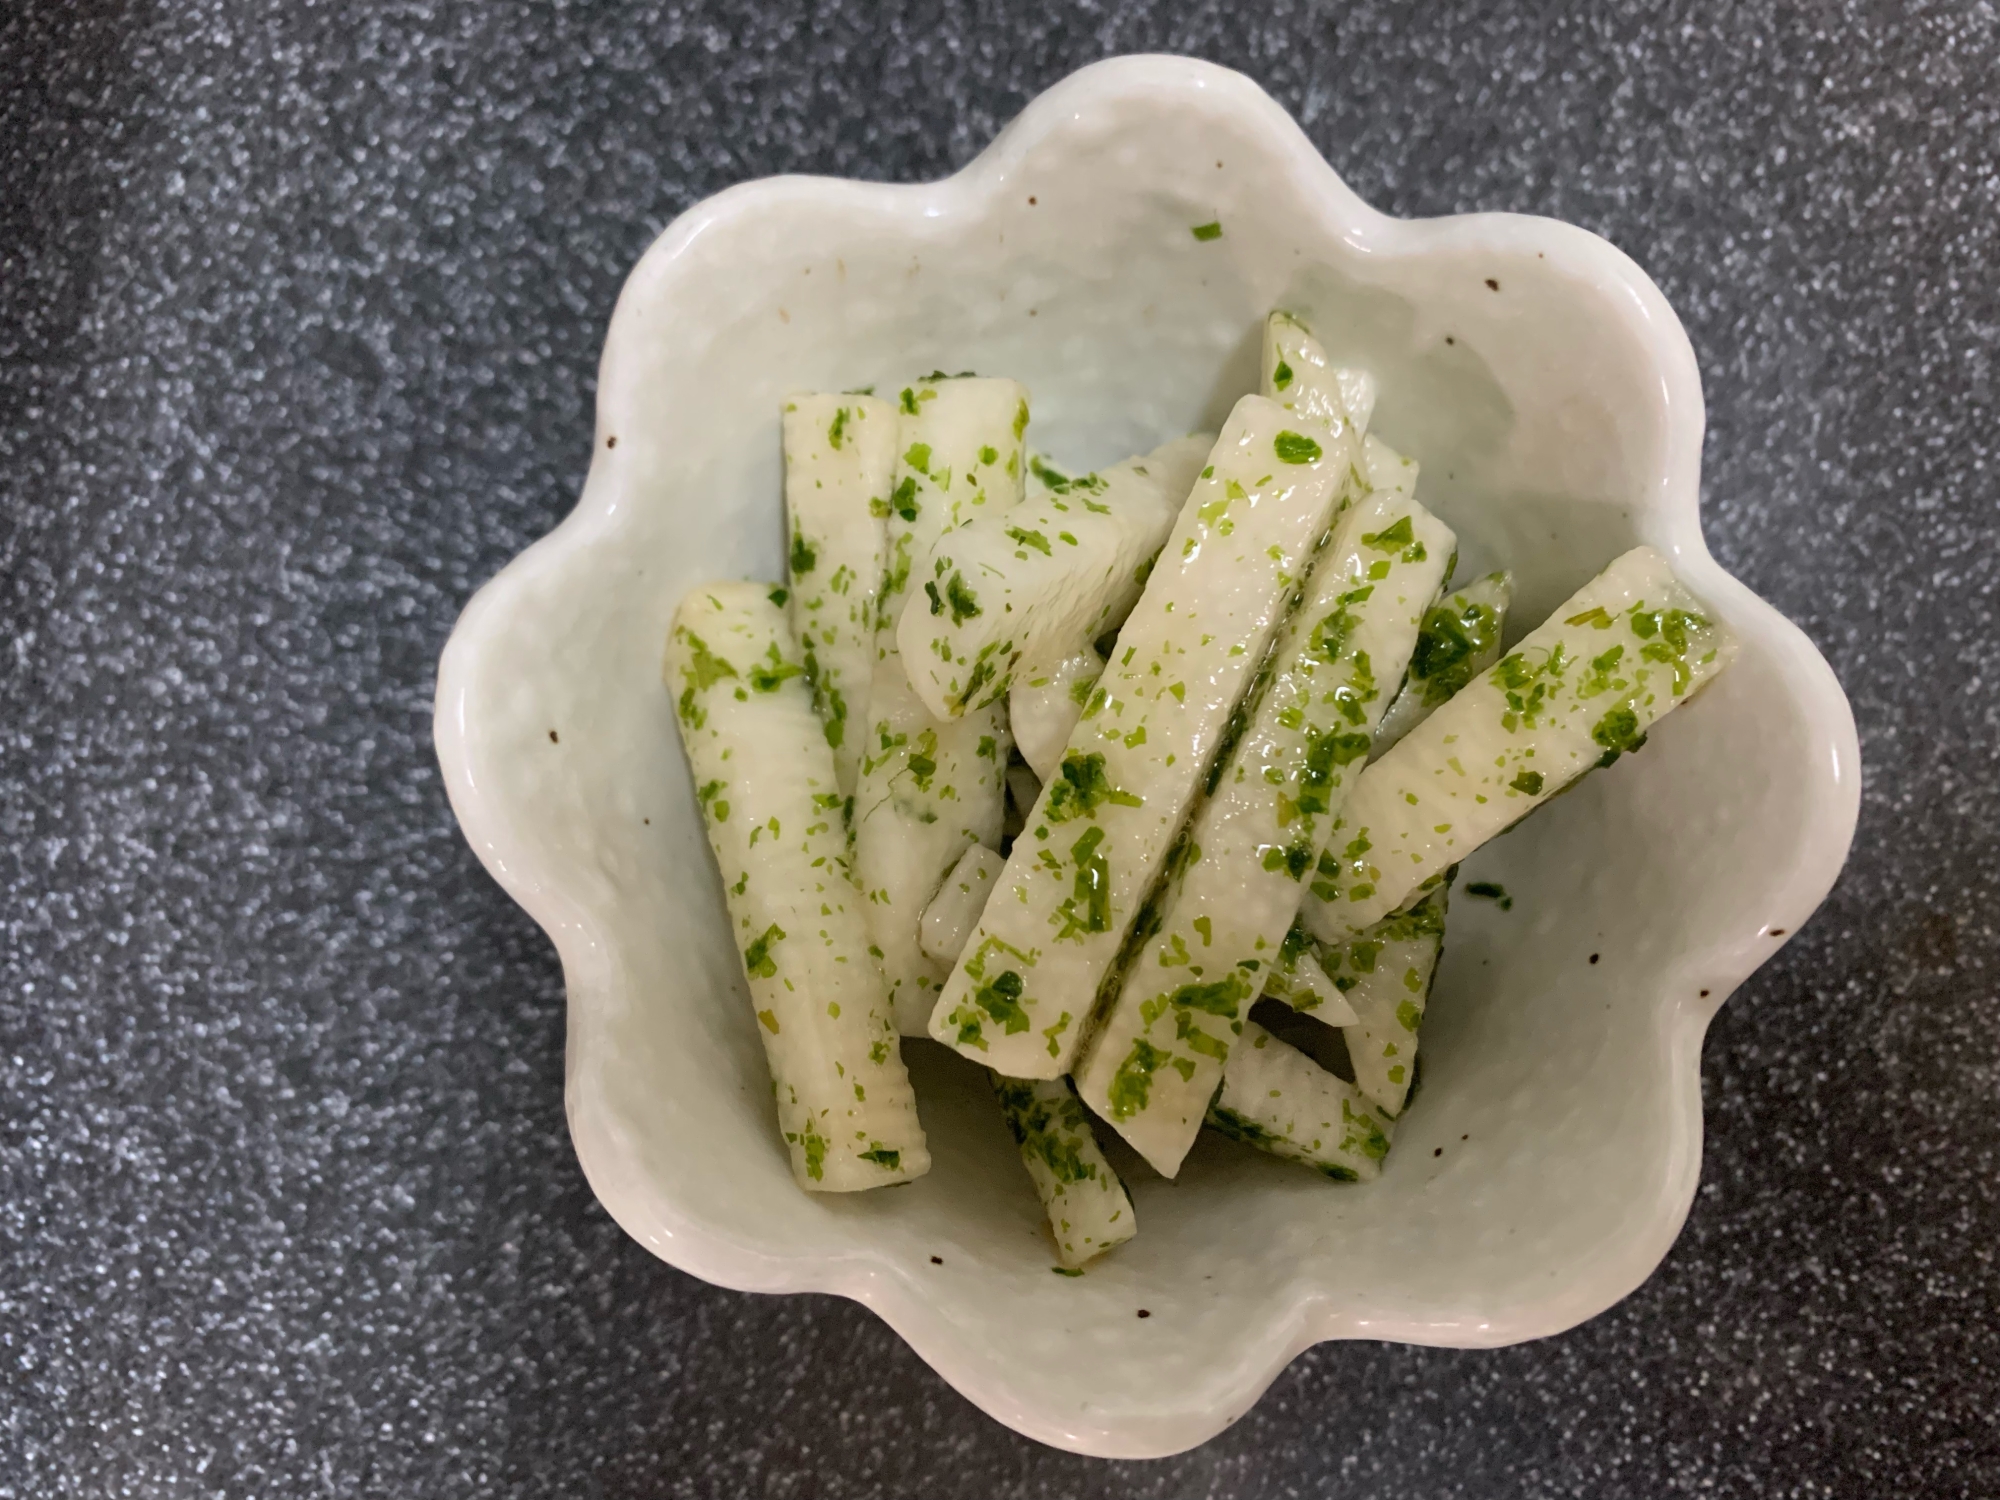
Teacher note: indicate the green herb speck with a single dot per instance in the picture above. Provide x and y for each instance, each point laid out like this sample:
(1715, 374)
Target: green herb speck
(1295, 448)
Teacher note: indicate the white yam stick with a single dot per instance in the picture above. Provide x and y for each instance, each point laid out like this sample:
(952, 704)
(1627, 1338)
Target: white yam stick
(1087, 1206)
(1100, 831)
(1025, 589)
(1043, 709)
(1279, 1100)
(929, 789)
(1628, 647)
(1154, 1062)
(840, 461)
(764, 776)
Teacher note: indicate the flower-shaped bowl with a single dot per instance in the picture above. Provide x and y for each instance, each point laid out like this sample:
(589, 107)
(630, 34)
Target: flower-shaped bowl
(1552, 399)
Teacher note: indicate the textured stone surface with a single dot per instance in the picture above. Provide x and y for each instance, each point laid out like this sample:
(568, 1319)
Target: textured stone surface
(299, 307)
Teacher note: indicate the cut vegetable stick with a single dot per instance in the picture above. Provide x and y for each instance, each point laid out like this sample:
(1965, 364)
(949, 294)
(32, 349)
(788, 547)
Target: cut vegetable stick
(1298, 979)
(1387, 973)
(1101, 829)
(1088, 1209)
(1384, 470)
(1460, 639)
(1279, 1100)
(1028, 588)
(764, 776)
(840, 461)
(1043, 709)
(954, 910)
(1628, 647)
(1298, 375)
(930, 789)
(1155, 1059)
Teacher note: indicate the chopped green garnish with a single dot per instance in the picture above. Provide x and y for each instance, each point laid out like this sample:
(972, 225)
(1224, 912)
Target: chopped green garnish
(1618, 732)
(1132, 1084)
(1088, 908)
(815, 1149)
(766, 677)
(1209, 231)
(1447, 646)
(757, 957)
(1000, 998)
(1082, 788)
(1390, 538)
(1491, 891)
(1295, 448)
(1030, 539)
(1222, 998)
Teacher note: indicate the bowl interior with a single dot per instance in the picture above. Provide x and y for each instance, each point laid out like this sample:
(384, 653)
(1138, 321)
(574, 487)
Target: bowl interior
(1553, 1150)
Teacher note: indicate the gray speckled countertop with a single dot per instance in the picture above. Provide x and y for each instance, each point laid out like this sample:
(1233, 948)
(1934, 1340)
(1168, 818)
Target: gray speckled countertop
(299, 314)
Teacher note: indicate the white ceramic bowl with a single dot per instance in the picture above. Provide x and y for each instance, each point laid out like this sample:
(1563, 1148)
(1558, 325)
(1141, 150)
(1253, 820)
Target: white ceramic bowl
(1552, 398)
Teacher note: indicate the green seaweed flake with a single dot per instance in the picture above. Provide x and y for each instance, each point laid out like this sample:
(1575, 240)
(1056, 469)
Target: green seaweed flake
(1088, 908)
(1000, 998)
(758, 960)
(1448, 645)
(1619, 733)
(1082, 788)
(1029, 538)
(1295, 448)
(766, 677)
(1132, 1084)
(957, 597)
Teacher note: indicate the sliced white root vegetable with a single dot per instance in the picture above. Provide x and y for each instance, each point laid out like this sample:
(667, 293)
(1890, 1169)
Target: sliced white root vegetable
(1153, 1062)
(1298, 979)
(1299, 377)
(1386, 973)
(1027, 588)
(1086, 1203)
(1460, 639)
(1279, 1100)
(1100, 831)
(1384, 469)
(840, 461)
(954, 910)
(930, 789)
(1043, 709)
(764, 776)
(1628, 647)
